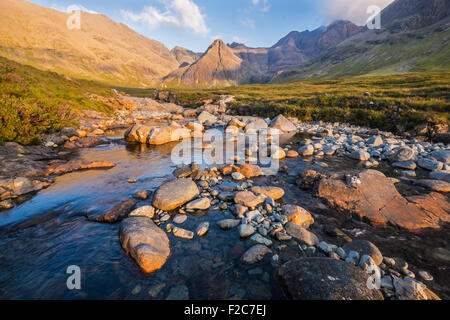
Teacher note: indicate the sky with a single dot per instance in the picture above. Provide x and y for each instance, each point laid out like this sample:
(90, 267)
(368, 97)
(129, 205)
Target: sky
(195, 24)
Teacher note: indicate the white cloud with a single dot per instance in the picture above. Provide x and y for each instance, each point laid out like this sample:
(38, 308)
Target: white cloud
(248, 22)
(355, 10)
(73, 7)
(263, 4)
(182, 14)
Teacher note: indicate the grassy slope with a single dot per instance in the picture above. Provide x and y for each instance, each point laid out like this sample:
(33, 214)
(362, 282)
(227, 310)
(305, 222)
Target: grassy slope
(406, 100)
(33, 102)
(382, 53)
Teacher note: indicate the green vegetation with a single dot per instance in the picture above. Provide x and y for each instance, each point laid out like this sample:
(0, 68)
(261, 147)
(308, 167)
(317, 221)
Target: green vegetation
(33, 102)
(383, 102)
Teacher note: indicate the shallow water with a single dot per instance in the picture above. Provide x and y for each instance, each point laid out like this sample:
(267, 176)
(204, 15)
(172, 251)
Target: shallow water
(40, 238)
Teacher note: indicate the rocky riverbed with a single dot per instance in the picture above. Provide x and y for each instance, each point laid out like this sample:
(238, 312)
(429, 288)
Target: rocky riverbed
(354, 213)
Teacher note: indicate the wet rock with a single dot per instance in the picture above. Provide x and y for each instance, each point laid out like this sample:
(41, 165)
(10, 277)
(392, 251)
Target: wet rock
(306, 151)
(137, 133)
(199, 204)
(435, 185)
(272, 192)
(210, 286)
(250, 170)
(430, 164)
(441, 155)
(174, 194)
(403, 154)
(325, 279)
(156, 289)
(255, 254)
(202, 229)
(360, 155)
(439, 254)
(180, 292)
(278, 153)
(246, 230)
(283, 124)
(115, 214)
(441, 175)
(259, 239)
(12, 188)
(186, 171)
(6, 204)
(377, 200)
(301, 234)
(182, 233)
(425, 276)
(147, 244)
(180, 218)
(410, 289)
(364, 247)
(408, 165)
(145, 211)
(142, 195)
(228, 224)
(84, 142)
(292, 154)
(248, 199)
(298, 215)
(77, 165)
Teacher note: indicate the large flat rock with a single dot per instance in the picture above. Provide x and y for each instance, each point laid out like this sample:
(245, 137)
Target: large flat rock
(325, 279)
(377, 201)
(174, 194)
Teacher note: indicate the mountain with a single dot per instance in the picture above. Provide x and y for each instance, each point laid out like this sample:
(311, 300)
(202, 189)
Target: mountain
(102, 50)
(415, 36)
(217, 66)
(184, 56)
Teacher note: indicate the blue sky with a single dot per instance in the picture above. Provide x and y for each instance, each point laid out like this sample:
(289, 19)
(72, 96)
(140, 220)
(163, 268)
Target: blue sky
(194, 24)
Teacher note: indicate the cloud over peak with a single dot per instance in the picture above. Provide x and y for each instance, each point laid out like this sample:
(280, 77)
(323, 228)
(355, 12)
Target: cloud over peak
(355, 10)
(182, 14)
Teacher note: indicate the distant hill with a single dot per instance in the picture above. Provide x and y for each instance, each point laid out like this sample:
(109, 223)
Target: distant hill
(184, 56)
(414, 37)
(102, 50)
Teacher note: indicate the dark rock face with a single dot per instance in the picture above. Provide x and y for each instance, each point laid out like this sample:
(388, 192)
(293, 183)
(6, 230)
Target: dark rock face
(324, 279)
(115, 214)
(412, 14)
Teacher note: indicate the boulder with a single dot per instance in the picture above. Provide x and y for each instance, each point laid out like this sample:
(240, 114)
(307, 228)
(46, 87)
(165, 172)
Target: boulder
(256, 125)
(228, 224)
(272, 192)
(115, 214)
(202, 229)
(402, 154)
(78, 165)
(206, 117)
(298, 215)
(145, 211)
(170, 133)
(292, 154)
(306, 151)
(410, 289)
(174, 194)
(325, 279)
(236, 123)
(283, 124)
(375, 141)
(441, 155)
(137, 133)
(430, 164)
(248, 199)
(255, 254)
(147, 244)
(250, 170)
(376, 200)
(407, 165)
(199, 204)
(360, 155)
(441, 175)
(12, 188)
(364, 247)
(301, 234)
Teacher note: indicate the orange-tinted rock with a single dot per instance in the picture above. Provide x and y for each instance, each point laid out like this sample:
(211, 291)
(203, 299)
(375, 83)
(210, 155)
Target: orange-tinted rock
(76, 165)
(248, 199)
(298, 215)
(250, 170)
(115, 214)
(292, 154)
(377, 201)
(272, 192)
